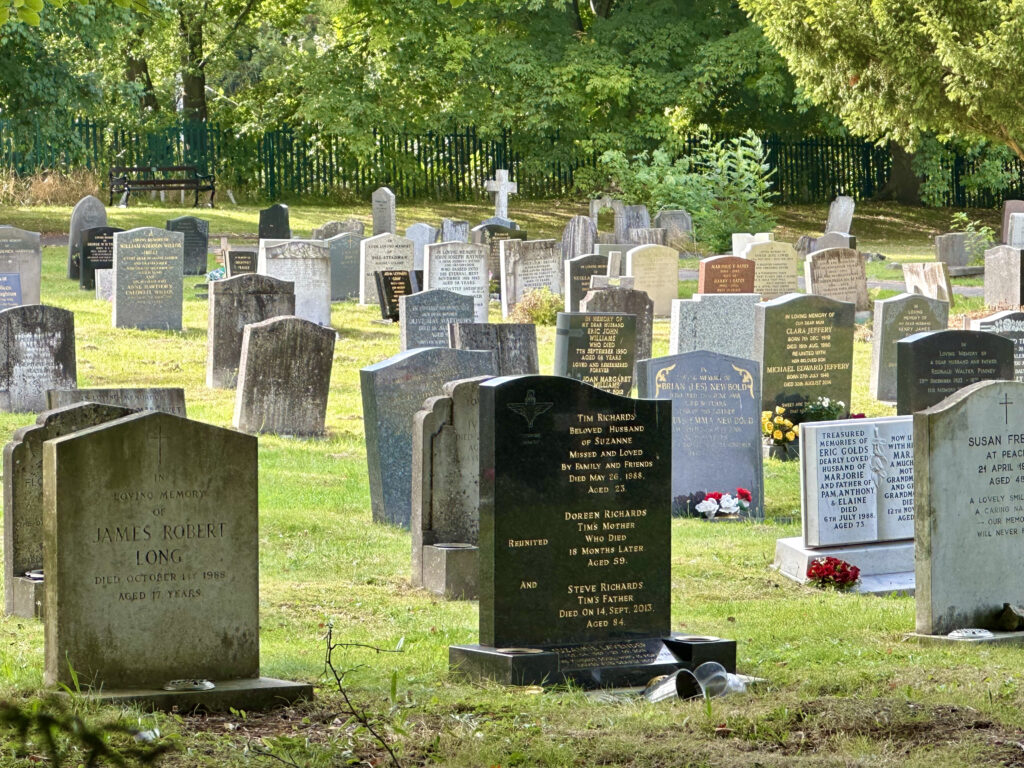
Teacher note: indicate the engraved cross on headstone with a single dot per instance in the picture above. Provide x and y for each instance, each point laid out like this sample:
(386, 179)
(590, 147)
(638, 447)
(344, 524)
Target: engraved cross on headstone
(159, 437)
(1006, 403)
(501, 188)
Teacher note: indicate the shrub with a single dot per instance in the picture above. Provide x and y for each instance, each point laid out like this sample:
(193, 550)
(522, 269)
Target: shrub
(539, 306)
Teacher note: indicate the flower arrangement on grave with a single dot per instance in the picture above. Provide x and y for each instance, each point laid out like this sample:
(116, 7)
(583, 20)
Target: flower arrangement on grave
(823, 409)
(777, 426)
(718, 504)
(832, 573)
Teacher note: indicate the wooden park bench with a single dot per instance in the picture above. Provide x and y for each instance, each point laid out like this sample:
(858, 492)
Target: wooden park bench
(128, 179)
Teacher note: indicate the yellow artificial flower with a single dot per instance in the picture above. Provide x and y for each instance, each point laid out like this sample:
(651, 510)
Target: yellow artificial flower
(787, 423)
(765, 415)
(791, 436)
(777, 434)
(778, 419)
(779, 409)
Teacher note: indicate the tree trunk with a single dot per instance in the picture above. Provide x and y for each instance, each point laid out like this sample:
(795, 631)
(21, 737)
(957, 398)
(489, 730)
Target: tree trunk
(903, 185)
(137, 71)
(193, 68)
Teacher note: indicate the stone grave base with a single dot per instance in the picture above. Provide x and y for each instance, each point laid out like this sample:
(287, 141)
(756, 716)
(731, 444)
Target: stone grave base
(966, 271)
(29, 597)
(998, 638)
(253, 695)
(450, 570)
(885, 568)
(609, 664)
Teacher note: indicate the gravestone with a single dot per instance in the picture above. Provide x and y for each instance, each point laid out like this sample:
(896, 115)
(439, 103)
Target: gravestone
(716, 425)
(1004, 277)
(576, 280)
(151, 557)
(968, 508)
(500, 188)
(928, 278)
(233, 304)
(462, 268)
(932, 365)
(840, 215)
(838, 273)
(805, 346)
(104, 284)
(382, 252)
(499, 221)
(274, 224)
(240, 261)
(37, 352)
(832, 240)
(743, 240)
(393, 390)
(21, 255)
(678, 226)
(421, 235)
(655, 269)
(894, 319)
(425, 317)
(166, 399)
(307, 265)
(97, 254)
(382, 202)
(148, 279)
(598, 348)
(284, 376)
(578, 237)
(343, 251)
(598, 204)
(492, 235)
(24, 593)
(1009, 324)
(527, 265)
(726, 274)
(951, 248)
(335, 228)
(446, 491)
(514, 344)
(1015, 233)
(774, 268)
(574, 539)
(632, 217)
(10, 291)
(87, 213)
(197, 242)
(646, 236)
(454, 231)
(392, 284)
(1009, 207)
(719, 322)
(616, 253)
(626, 300)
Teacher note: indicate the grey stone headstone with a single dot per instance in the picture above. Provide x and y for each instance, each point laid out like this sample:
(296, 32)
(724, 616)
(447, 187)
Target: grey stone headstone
(805, 346)
(840, 215)
(306, 264)
(454, 231)
(624, 299)
(655, 269)
(716, 424)
(197, 242)
(951, 248)
(284, 376)
(23, 500)
(1015, 232)
(597, 348)
(1009, 324)
(576, 281)
(384, 216)
(528, 265)
(166, 399)
(599, 204)
(491, 235)
(894, 319)
(335, 228)
(344, 255)
(393, 391)
(578, 237)
(21, 254)
(838, 273)
(833, 240)
(629, 217)
(37, 352)
(678, 226)
(608, 249)
(1004, 277)
(97, 254)
(774, 268)
(421, 235)
(274, 223)
(104, 284)
(928, 278)
(148, 278)
(1009, 207)
(88, 212)
(514, 344)
(498, 221)
(233, 304)
(424, 317)
(719, 322)
(379, 253)
(646, 236)
(462, 268)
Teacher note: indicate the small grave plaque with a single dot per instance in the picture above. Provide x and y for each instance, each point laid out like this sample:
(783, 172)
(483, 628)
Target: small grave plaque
(148, 279)
(21, 254)
(392, 283)
(274, 224)
(10, 290)
(240, 261)
(425, 317)
(167, 399)
(514, 344)
(97, 253)
(88, 212)
(197, 242)
(726, 274)
(598, 348)
(894, 319)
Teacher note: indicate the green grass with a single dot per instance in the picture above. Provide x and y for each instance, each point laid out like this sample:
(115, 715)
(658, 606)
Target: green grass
(843, 686)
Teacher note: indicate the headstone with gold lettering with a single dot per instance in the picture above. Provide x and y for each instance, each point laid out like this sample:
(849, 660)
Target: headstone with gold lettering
(598, 348)
(726, 274)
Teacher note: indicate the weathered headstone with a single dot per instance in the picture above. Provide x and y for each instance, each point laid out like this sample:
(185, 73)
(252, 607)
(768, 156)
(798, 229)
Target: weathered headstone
(500, 188)
(622, 298)
(716, 425)
(384, 215)
(514, 344)
(805, 346)
(894, 319)
(104, 284)
(932, 365)
(718, 322)
(492, 235)
(462, 268)
(725, 274)
(678, 226)
(1009, 207)
(454, 231)
(1015, 233)
(24, 593)
(498, 221)
(599, 204)
(393, 391)
(840, 215)
(284, 377)
(426, 316)
(306, 264)
(633, 217)
(88, 212)
(576, 280)
(166, 399)
(197, 242)
(838, 273)
(37, 352)
(655, 269)
(1004, 277)
(382, 252)
(235, 303)
(646, 236)
(609, 250)
(833, 240)
(151, 558)
(391, 285)
(148, 279)
(240, 261)
(578, 237)
(274, 223)
(335, 228)
(774, 268)
(598, 348)
(1009, 324)
(928, 278)
(527, 265)
(21, 255)
(951, 248)
(97, 253)
(343, 251)
(421, 235)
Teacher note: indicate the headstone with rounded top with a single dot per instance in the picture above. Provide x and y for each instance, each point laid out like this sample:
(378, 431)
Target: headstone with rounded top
(88, 212)
(421, 235)
(896, 318)
(655, 269)
(462, 268)
(382, 252)
(197, 242)
(838, 273)
(274, 223)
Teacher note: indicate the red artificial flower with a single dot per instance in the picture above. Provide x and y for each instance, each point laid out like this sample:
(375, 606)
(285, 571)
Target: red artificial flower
(743, 494)
(716, 495)
(857, 416)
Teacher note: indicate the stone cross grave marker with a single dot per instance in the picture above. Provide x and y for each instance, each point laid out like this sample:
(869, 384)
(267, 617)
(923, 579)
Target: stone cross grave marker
(500, 187)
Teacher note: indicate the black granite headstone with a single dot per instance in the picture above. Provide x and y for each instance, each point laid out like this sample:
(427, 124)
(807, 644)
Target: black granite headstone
(578, 271)
(240, 261)
(197, 241)
(97, 253)
(274, 223)
(598, 348)
(491, 235)
(932, 365)
(391, 284)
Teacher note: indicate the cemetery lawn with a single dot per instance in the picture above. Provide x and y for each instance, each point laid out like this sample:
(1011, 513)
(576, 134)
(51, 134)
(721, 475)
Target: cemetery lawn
(842, 684)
